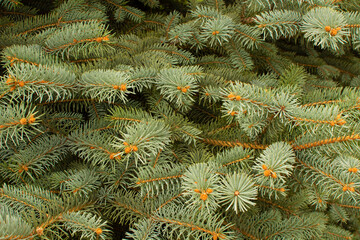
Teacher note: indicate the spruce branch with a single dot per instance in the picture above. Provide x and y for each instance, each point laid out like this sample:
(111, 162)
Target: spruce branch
(10, 4)
(220, 120)
(42, 83)
(279, 23)
(143, 140)
(191, 223)
(325, 27)
(74, 38)
(238, 192)
(18, 123)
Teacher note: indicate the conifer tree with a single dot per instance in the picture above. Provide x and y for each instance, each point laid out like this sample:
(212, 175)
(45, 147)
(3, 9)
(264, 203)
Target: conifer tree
(219, 120)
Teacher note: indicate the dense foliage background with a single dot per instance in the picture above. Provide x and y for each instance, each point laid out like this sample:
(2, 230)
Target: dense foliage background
(199, 119)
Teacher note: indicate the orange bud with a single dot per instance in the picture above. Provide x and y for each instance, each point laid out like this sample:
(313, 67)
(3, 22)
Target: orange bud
(214, 33)
(232, 113)
(238, 98)
(23, 121)
(92, 147)
(273, 175)
(207, 94)
(125, 143)
(282, 189)
(231, 96)
(112, 155)
(197, 190)
(351, 189)
(209, 190)
(333, 32)
(178, 88)
(115, 87)
(338, 28)
(106, 38)
(203, 196)
(25, 168)
(184, 90)
(341, 122)
(264, 167)
(354, 170)
(236, 193)
(135, 148)
(123, 87)
(98, 231)
(345, 188)
(320, 201)
(127, 149)
(328, 28)
(267, 173)
(39, 231)
(12, 89)
(32, 119)
(187, 87)
(9, 80)
(21, 84)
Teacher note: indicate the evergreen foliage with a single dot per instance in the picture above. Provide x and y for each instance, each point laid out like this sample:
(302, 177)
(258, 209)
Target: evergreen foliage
(218, 120)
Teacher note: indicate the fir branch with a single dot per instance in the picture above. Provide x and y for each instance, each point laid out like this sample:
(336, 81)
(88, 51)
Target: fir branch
(216, 142)
(326, 141)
